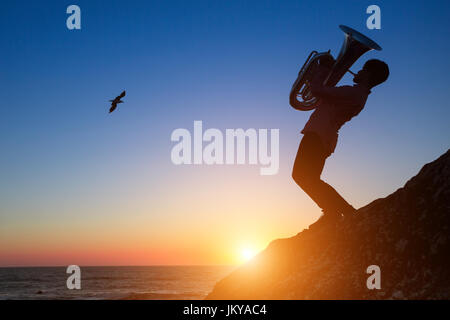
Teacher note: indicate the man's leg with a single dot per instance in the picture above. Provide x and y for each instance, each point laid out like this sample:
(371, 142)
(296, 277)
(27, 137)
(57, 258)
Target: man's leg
(308, 167)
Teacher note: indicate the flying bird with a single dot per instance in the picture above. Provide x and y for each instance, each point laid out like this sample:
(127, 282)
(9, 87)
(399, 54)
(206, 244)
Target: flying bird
(116, 101)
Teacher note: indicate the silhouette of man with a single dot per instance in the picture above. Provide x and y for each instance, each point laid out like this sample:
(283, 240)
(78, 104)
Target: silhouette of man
(337, 106)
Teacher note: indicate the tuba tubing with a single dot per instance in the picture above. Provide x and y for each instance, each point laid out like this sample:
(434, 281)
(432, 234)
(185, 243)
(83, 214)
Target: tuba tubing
(354, 46)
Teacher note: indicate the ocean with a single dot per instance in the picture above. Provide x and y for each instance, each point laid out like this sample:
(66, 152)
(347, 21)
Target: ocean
(153, 282)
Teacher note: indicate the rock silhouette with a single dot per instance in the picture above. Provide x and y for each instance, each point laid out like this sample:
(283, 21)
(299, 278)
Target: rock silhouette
(406, 234)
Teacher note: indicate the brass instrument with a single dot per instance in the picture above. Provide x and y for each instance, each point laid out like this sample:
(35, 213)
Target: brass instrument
(354, 46)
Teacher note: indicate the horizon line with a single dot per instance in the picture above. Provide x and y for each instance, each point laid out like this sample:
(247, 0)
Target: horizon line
(124, 266)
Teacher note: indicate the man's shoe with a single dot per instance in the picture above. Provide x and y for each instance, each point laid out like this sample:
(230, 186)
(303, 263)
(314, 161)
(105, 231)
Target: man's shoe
(326, 219)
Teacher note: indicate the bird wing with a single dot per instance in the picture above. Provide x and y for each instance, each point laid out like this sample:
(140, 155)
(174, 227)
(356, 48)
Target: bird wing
(122, 94)
(113, 107)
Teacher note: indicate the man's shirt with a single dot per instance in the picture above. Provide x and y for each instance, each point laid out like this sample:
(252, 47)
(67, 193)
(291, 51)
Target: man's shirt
(337, 106)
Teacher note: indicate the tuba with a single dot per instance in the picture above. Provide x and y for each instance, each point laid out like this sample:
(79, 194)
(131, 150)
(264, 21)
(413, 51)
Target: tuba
(355, 45)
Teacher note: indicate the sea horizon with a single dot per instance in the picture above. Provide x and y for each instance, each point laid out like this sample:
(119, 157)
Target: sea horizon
(157, 282)
(119, 265)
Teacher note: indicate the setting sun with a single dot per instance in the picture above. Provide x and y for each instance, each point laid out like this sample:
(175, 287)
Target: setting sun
(247, 254)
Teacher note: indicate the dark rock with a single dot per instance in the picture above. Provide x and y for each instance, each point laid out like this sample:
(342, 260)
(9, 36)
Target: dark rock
(406, 234)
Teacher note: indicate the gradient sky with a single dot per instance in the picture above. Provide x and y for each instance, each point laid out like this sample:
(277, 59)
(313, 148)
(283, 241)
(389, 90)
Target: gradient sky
(80, 186)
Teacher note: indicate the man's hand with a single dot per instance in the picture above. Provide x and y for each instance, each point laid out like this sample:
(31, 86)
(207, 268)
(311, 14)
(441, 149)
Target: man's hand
(322, 70)
(327, 61)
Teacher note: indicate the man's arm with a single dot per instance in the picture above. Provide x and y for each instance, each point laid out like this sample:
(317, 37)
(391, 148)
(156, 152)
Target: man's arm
(340, 94)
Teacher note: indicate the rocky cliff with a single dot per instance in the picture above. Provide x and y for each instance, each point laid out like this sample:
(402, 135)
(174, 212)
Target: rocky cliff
(406, 234)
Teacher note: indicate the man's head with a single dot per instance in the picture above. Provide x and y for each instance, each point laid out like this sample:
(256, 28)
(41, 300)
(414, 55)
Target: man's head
(373, 73)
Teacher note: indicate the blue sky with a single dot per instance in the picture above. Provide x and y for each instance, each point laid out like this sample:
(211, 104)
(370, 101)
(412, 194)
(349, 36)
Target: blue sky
(228, 63)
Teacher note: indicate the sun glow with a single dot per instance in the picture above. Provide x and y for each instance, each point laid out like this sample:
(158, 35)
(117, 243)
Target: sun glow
(247, 254)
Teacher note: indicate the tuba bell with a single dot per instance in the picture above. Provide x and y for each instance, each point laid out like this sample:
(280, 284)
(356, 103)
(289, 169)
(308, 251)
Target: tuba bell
(354, 46)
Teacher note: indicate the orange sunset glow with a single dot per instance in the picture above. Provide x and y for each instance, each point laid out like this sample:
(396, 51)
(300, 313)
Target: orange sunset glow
(83, 186)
